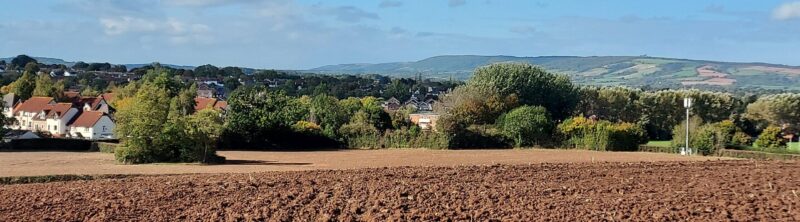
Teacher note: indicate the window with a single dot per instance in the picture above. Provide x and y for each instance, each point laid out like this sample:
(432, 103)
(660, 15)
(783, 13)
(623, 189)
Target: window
(104, 129)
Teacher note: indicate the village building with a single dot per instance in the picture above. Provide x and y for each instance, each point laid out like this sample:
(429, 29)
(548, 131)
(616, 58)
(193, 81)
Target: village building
(27, 112)
(10, 100)
(201, 103)
(425, 121)
(391, 105)
(58, 117)
(92, 125)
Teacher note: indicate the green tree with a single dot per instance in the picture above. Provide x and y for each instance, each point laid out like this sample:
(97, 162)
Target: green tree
(21, 61)
(526, 125)
(326, 112)
(206, 71)
(231, 83)
(32, 67)
(532, 85)
(44, 86)
(140, 126)
(24, 86)
(614, 104)
(254, 112)
(779, 110)
(770, 138)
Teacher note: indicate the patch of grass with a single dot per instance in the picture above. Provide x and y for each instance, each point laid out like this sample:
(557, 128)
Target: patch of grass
(663, 143)
(793, 146)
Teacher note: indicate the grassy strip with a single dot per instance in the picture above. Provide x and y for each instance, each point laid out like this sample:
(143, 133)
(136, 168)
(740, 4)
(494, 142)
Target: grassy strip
(59, 178)
(664, 143)
(758, 155)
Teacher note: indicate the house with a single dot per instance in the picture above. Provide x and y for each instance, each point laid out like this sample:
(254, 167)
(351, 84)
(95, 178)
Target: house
(9, 102)
(93, 104)
(425, 121)
(28, 110)
(391, 105)
(92, 125)
(59, 115)
(419, 104)
(205, 103)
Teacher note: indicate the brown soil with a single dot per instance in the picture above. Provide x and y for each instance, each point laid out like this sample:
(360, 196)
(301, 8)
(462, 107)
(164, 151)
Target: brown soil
(50, 163)
(656, 191)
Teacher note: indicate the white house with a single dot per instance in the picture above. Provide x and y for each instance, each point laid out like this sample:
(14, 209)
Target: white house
(92, 125)
(28, 111)
(9, 101)
(58, 117)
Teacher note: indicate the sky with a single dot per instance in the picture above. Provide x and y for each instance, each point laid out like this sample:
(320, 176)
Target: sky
(303, 34)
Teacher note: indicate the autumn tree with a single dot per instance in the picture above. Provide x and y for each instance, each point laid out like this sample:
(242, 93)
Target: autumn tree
(24, 86)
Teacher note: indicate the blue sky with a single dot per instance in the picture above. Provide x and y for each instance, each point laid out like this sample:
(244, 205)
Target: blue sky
(300, 34)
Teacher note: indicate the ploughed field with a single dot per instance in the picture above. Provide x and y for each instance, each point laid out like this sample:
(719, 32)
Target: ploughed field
(739, 190)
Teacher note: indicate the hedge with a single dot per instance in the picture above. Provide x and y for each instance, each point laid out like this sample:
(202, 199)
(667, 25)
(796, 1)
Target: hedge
(51, 144)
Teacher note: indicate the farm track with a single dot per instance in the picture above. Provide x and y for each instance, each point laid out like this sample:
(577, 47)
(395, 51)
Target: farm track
(642, 191)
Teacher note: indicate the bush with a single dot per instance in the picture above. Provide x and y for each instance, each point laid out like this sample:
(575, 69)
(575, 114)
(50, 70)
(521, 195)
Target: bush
(307, 127)
(583, 133)
(741, 139)
(707, 140)
(105, 147)
(128, 155)
(770, 138)
(526, 125)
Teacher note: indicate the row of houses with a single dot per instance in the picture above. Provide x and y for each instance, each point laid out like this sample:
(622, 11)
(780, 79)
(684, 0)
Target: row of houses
(81, 117)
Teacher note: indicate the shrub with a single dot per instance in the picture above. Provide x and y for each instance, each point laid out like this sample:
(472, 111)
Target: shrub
(105, 147)
(307, 128)
(129, 155)
(770, 138)
(590, 134)
(707, 140)
(741, 139)
(526, 125)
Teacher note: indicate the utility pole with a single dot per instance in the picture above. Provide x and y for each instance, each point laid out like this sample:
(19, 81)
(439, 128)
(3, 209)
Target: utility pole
(687, 103)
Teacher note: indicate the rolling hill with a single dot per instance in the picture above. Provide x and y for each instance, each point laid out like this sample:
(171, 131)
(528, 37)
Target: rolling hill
(634, 71)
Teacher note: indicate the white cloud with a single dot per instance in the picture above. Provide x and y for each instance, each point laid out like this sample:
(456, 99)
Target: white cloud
(124, 24)
(787, 11)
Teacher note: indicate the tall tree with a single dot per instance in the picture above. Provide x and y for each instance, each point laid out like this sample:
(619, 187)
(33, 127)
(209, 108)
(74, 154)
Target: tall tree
(44, 86)
(532, 85)
(21, 61)
(24, 86)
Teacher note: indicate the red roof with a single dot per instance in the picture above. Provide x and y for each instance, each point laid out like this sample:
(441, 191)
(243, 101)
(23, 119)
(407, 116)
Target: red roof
(58, 110)
(93, 102)
(34, 104)
(109, 97)
(221, 105)
(203, 103)
(72, 95)
(87, 119)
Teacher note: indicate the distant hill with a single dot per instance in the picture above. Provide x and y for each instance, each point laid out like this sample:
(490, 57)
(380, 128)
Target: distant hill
(51, 61)
(599, 70)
